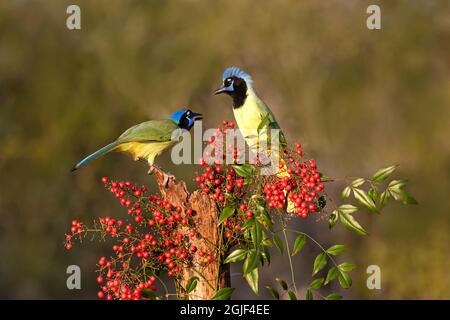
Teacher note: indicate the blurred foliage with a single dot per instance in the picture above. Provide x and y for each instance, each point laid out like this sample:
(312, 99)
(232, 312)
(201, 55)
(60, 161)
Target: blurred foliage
(357, 100)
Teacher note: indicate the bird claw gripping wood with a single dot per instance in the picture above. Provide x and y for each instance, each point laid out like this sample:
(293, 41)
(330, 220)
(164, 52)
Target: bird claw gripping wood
(151, 170)
(166, 176)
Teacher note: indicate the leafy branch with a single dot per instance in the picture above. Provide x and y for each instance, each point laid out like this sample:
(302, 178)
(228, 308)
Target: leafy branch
(371, 198)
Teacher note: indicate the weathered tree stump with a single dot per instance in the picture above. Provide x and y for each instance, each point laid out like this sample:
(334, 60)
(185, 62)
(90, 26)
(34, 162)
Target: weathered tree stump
(212, 276)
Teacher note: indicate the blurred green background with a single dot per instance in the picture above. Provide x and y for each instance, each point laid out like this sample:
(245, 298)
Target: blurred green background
(357, 99)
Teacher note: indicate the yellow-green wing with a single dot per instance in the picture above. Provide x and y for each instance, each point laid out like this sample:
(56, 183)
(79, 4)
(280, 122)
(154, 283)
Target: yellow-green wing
(153, 130)
(269, 121)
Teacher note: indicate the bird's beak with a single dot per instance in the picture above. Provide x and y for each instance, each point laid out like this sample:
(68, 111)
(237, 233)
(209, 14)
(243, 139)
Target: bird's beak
(222, 89)
(197, 116)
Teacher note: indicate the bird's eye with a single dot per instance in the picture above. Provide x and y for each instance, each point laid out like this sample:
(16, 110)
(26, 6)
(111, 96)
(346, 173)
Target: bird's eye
(228, 82)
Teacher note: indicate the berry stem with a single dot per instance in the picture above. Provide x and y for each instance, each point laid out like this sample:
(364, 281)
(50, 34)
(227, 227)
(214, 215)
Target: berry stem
(203, 277)
(219, 255)
(288, 253)
(318, 244)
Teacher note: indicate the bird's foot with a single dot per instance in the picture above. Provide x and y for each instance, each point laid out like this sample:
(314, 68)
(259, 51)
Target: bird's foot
(167, 177)
(152, 169)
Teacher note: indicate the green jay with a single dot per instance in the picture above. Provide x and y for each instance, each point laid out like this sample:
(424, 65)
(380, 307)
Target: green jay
(251, 114)
(249, 110)
(149, 139)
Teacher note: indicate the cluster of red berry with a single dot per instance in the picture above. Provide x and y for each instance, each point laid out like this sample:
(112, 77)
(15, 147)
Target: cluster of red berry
(219, 179)
(218, 182)
(299, 182)
(222, 146)
(76, 229)
(223, 184)
(119, 285)
(157, 239)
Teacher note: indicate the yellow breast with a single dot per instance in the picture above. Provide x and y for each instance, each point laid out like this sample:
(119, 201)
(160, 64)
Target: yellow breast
(248, 117)
(144, 150)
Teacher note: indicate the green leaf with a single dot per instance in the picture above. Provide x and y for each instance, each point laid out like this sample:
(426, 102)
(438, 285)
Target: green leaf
(256, 235)
(267, 243)
(383, 174)
(266, 255)
(344, 280)
(282, 283)
(223, 294)
(347, 209)
(148, 293)
(319, 263)
(373, 194)
(385, 195)
(265, 220)
(331, 275)
(397, 184)
(226, 213)
(402, 196)
(333, 296)
(249, 223)
(333, 219)
(235, 256)
(316, 284)
(298, 244)
(292, 295)
(252, 280)
(191, 284)
(273, 292)
(264, 122)
(336, 249)
(278, 243)
(244, 170)
(358, 182)
(251, 262)
(346, 192)
(346, 266)
(364, 198)
(309, 295)
(350, 223)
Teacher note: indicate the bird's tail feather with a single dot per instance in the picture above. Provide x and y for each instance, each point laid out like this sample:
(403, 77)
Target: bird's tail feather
(95, 155)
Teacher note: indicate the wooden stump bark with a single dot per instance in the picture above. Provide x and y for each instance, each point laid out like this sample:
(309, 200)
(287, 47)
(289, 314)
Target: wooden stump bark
(213, 276)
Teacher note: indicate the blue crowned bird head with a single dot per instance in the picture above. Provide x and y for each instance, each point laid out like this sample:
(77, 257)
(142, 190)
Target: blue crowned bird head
(185, 118)
(237, 84)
